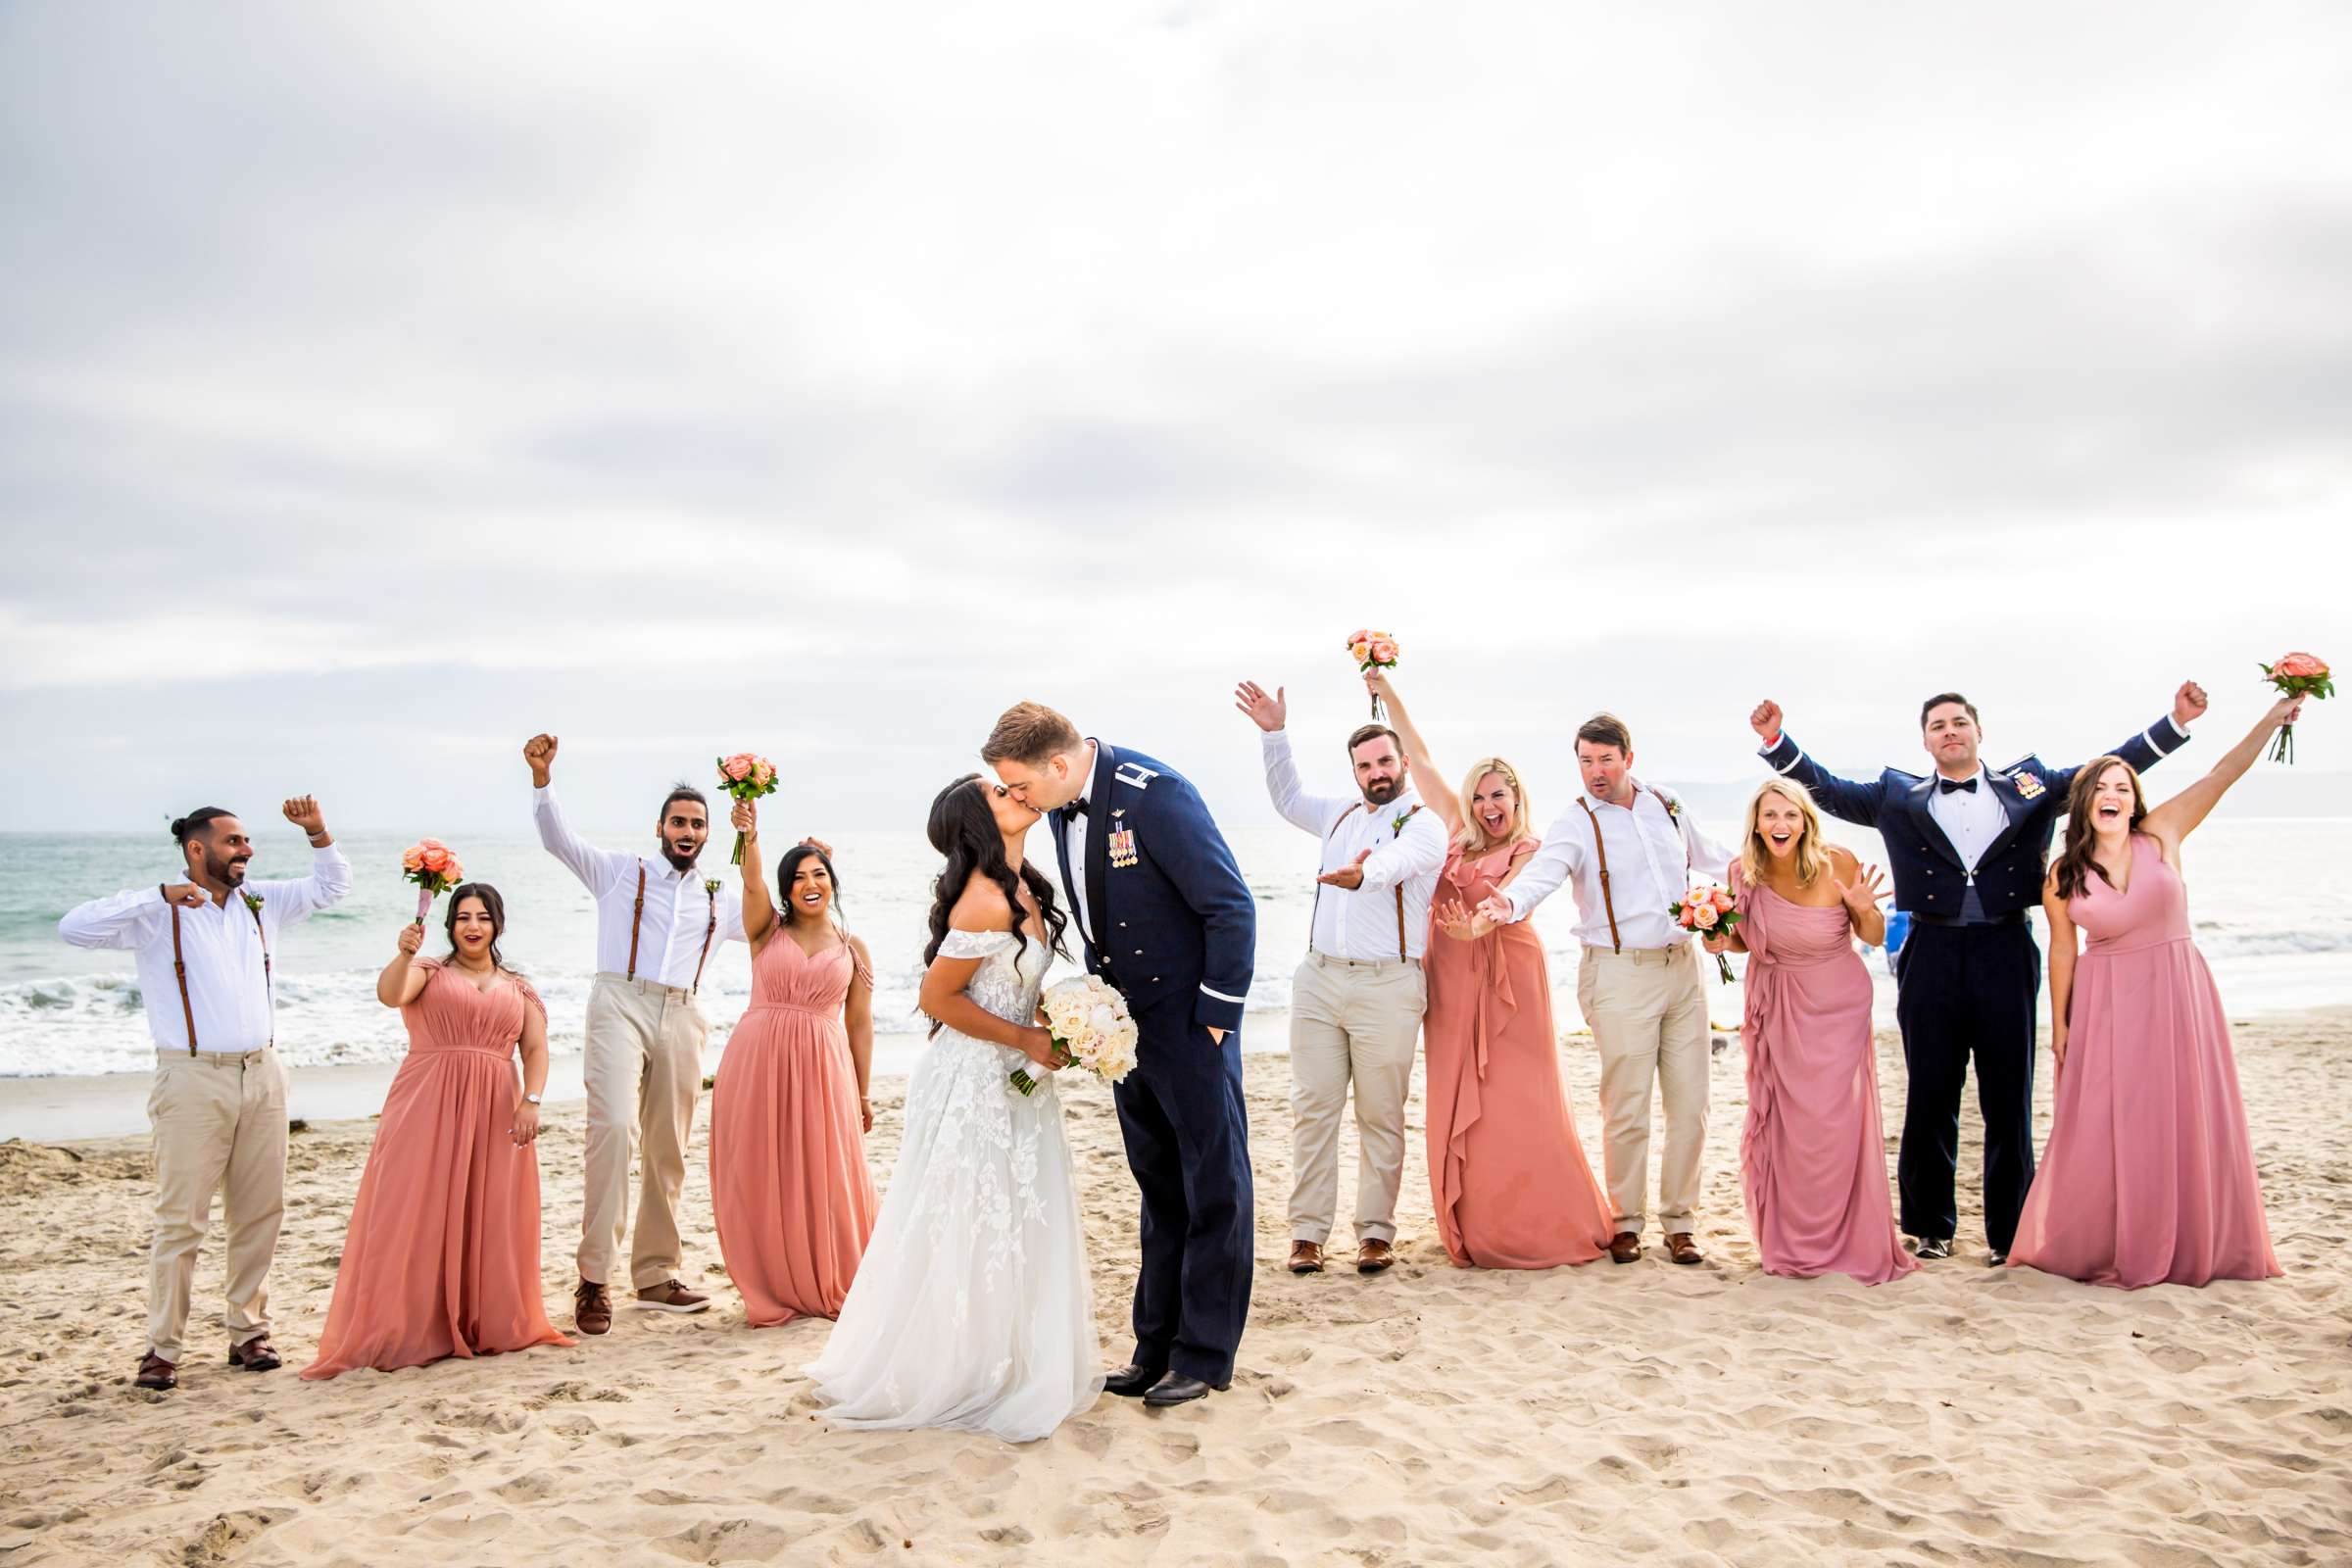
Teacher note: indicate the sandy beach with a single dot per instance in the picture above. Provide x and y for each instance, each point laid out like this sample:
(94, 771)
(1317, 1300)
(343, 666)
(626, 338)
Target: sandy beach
(1674, 1415)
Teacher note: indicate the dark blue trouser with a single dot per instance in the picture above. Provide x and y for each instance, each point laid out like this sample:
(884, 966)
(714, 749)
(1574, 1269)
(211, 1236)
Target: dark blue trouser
(1188, 1142)
(1967, 991)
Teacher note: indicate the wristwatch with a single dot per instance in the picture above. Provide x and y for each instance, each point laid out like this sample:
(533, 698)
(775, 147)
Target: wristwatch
(530, 1100)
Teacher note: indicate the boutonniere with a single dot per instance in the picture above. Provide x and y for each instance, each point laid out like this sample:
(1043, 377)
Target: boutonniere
(1397, 825)
(2027, 784)
(711, 886)
(253, 902)
(1674, 807)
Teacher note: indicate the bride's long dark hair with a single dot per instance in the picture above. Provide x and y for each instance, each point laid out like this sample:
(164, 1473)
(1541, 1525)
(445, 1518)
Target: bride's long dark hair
(964, 830)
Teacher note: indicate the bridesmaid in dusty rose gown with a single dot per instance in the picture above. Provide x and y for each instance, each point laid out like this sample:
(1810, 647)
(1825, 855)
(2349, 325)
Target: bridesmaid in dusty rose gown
(442, 1257)
(1813, 1154)
(2148, 1177)
(789, 1183)
(1507, 1175)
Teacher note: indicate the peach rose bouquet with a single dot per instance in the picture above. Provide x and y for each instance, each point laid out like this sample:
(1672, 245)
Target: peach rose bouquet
(1371, 650)
(2297, 675)
(1708, 912)
(434, 867)
(745, 776)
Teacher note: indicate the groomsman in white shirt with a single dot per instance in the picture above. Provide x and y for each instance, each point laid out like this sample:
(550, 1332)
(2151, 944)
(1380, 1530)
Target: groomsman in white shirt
(204, 949)
(658, 921)
(1631, 849)
(1357, 1001)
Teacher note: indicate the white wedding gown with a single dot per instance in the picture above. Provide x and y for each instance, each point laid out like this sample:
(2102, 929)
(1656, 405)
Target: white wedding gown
(972, 1308)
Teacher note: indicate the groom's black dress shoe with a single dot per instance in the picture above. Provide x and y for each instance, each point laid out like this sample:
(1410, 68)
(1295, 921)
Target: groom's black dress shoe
(1996, 1258)
(1177, 1388)
(1931, 1247)
(1131, 1381)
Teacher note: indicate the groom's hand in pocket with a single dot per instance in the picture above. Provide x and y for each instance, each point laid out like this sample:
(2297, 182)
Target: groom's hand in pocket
(1216, 1036)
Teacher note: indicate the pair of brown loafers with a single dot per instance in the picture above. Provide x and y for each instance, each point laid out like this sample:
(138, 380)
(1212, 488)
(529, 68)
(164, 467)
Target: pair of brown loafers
(256, 1355)
(1374, 1255)
(1625, 1246)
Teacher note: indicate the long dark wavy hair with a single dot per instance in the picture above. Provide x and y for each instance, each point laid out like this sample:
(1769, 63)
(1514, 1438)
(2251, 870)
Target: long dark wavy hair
(964, 830)
(2076, 861)
(490, 902)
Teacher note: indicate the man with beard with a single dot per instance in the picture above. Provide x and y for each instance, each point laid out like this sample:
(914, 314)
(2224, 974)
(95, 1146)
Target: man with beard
(218, 1106)
(656, 922)
(1357, 1001)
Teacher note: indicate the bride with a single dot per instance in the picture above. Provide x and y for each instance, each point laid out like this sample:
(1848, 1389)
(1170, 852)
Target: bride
(972, 1308)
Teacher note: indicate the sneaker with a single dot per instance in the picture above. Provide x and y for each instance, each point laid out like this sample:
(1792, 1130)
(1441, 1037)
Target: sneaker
(671, 1296)
(591, 1307)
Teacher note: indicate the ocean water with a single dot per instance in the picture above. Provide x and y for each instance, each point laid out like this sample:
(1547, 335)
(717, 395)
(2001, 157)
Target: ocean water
(2271, 899)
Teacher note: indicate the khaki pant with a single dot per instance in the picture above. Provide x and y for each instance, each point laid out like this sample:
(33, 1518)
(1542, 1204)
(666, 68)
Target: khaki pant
(1351, 1024)
(219, 1126)
(643, 1066)
(1648, 1008)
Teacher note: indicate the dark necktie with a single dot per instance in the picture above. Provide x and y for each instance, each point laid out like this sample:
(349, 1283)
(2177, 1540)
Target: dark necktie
(1946, 785)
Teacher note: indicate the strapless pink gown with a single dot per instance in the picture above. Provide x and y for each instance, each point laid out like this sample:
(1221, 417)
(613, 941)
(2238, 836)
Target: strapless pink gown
(442, 1257)
(1812, 1154)
(2148, 1177)
(789, 1184)
(1507, 1175)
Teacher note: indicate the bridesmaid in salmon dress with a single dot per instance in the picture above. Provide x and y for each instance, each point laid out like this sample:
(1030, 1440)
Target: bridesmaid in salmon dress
(1507, 1175)
(1813, 1153)
(442, 1257)
(2148, 1177)
(789, 1183)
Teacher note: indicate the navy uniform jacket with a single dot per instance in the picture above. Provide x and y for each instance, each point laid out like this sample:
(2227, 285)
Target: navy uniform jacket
(1929, 877)
(1172, 913)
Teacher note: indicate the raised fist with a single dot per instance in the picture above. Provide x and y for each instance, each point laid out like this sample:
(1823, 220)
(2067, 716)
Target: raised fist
(540, 753)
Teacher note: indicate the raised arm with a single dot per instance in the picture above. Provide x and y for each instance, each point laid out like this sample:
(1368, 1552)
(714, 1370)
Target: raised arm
(759, 908)
(596, 868)
(1313, 813)
(2152, 745)
(330, 874)
(1844, 797)
(2062, 964)
(858, 1017)
(1426, 778)
(2178, 817)
(403, 980)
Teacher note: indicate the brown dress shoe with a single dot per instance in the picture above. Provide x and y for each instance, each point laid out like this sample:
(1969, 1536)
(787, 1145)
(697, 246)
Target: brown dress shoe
(1306, 1257)
(1683, 1249)
(1625, 1246)
(254, 1355)
(671, 1296)
(592, 1308)
(157, 1373)
(1373, 1256)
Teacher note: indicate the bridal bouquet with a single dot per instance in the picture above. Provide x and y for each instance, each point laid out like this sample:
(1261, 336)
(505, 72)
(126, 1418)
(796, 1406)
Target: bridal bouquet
(2297, 675)
(1708, 912)
(746, 777)
(433, 866)
(1373, 649)
(1090, 1029)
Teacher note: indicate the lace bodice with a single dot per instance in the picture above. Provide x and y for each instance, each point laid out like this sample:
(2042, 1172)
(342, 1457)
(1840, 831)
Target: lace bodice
(1006, 985)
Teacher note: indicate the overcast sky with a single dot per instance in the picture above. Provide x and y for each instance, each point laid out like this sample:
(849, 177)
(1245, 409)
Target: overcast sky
(384, 383)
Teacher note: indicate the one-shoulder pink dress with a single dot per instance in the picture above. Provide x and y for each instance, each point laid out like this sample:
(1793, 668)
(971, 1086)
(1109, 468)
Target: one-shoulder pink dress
(789, 1183)
(2148, 1177)
(442, 1257)
(1813, 1154)
(1507, 1174)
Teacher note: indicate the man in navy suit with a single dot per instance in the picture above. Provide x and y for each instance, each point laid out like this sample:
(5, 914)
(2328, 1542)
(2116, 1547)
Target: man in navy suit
(1968, 847)
(1168, 921)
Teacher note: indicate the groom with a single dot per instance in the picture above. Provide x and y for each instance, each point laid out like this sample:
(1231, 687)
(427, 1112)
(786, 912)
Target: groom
(1168, 921)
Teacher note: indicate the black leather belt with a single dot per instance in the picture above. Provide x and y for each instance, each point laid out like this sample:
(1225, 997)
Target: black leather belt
(2013, 917)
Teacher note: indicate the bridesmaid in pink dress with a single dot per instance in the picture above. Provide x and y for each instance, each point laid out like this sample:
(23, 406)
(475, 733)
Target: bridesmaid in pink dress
(1507, 1175)
(442, 1257)
(1812, 1154)
(789, 1183)
(2148, 1177)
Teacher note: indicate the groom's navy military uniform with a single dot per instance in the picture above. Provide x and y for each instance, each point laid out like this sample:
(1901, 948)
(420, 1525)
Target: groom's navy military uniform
(1169, 921)
(1968, 973)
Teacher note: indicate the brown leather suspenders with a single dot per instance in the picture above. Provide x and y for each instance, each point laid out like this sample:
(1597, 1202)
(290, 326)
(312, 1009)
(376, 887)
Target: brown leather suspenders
(709, 931)
(636, 919)
(179, 971)
(1600, 850)
(1395, 833)
(637, 922)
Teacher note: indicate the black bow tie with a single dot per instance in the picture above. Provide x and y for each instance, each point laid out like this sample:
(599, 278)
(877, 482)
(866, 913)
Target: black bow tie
(1945, 786)
(1077, 806)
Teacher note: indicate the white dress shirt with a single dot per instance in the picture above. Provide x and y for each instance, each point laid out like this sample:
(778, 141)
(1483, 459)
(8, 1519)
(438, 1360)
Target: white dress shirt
(677, 906)
(1360, 923)
(1655, 857)
(228, 988)
(1971, 818)
(1073, 834)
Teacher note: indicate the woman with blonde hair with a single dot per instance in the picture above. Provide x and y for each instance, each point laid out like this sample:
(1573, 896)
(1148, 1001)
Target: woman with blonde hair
(1507, 1175)
(1812, 1155)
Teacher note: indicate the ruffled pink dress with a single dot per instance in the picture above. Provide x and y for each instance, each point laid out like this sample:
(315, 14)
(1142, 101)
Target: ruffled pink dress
(2148, 1177)
(789, 1183)
(442, 1257)
(1812, 1154)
